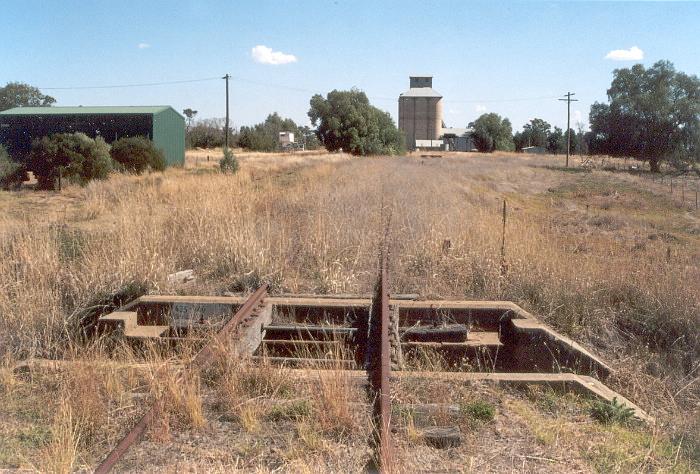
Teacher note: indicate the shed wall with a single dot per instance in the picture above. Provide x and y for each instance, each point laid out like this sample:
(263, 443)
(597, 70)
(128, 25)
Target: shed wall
(169, 136)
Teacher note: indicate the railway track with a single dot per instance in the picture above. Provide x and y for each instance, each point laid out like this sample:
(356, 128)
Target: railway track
(379, 370)
(375, 334)
(203, 359)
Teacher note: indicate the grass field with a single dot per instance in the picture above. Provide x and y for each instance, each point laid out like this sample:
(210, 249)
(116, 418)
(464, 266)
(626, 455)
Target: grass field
(605, 255)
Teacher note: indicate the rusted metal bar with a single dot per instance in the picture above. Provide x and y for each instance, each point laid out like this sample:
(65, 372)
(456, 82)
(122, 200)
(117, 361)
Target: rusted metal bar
(387, 457)
(379, 368)
(203, 358)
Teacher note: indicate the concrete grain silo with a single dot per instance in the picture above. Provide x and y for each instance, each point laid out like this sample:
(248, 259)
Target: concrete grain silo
(420, 114)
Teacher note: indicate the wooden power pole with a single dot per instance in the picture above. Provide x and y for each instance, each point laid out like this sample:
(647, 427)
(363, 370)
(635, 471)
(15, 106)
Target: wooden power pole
(226, 77)
(568, 100)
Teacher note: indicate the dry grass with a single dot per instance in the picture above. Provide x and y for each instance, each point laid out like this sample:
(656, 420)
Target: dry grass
(607, 257)
(61, 454)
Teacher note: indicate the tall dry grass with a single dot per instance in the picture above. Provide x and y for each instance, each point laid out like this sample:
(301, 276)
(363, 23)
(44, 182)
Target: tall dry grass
(584, 260)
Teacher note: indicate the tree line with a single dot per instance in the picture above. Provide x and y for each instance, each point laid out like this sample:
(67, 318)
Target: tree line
(264, 136)
(652, 114)
(343, 120)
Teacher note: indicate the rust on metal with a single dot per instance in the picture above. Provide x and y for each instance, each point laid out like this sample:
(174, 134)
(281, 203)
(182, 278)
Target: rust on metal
(203, 358)
(379, 368)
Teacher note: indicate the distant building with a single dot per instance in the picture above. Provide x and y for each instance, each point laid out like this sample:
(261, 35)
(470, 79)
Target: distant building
(286, 139)
(458, 139)
(161, 124)
(420, 119)
(420, 112)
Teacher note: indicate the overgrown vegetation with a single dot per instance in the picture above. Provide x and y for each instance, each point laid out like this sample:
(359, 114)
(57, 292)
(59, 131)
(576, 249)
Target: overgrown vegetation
(229, 163)
(479, 410)
(71, 156)
(11, 173)
(76, 158)
(491, 133)
(653, 115)
(345, 120)
(206, 134)
(265, 136)
(573, 252)
(539, 133)
(611, 412)
(137, 154)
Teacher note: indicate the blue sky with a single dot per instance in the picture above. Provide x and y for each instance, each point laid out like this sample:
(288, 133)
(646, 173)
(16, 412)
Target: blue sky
(490, 56)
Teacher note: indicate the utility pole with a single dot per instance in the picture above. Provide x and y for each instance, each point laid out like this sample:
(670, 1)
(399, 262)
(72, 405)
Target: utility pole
(226, 77)
(568, 100)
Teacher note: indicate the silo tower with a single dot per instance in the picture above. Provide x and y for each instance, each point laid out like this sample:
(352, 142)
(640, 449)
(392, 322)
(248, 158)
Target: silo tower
(420, 111)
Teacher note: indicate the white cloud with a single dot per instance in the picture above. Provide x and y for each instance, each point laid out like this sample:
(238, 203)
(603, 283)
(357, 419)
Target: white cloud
(143, 45)
(632, 54)
(264, 55)
(480, 108)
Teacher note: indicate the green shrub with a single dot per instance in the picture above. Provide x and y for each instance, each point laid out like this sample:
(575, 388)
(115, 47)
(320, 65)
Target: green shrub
(229, 164)
(611, 412)
(479, 410)
(11, 173)
(74, 156)
(137, 154)
(205, 134)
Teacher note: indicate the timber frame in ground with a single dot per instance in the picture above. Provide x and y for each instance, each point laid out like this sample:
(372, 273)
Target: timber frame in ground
(385, 337)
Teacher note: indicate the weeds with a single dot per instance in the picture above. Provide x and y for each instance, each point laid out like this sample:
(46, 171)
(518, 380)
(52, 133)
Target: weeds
(61, 454)
(611, 412)
(479, 410)
(294, 410)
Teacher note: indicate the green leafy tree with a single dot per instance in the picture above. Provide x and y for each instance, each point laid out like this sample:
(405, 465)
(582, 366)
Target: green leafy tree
(536, 132)
(346, 120)
(208, 133)
(491, 132)
(653, 114)
(18, 94)
(309, 138)
(265, 136)
(190, 115)
(12, 174)
(137, 154)
(72, 156)
(556, 141)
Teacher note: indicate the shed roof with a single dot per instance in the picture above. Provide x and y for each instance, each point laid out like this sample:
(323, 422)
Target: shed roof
(153, 109)
(421, 92)
(460, 132)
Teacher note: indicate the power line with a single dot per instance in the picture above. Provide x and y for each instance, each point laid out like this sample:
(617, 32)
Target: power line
(118, 86)
(277, 86)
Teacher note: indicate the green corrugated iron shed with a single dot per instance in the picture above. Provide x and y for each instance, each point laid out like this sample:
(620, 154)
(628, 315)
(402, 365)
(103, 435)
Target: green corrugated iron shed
(162, 124)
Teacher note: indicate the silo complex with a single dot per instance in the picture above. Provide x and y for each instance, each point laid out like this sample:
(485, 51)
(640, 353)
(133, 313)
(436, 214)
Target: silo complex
(420, 113)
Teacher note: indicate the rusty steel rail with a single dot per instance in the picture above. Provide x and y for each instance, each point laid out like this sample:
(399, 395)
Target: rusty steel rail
(379, 370)
(203, 358)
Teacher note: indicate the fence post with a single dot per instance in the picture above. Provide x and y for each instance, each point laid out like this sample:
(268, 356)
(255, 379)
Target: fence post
(683, 194)
(503, 242)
